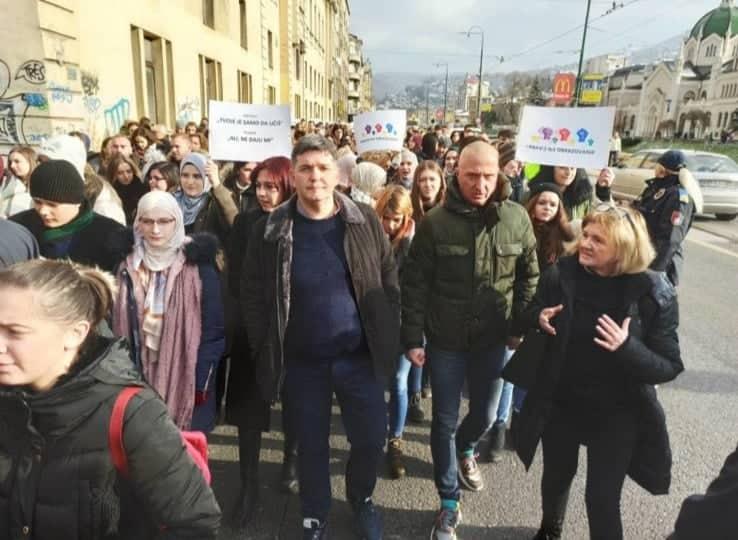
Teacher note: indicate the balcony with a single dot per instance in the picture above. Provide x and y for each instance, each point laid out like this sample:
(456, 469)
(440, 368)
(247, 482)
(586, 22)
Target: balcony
(354, 76)
(354, 56)
(353, 94)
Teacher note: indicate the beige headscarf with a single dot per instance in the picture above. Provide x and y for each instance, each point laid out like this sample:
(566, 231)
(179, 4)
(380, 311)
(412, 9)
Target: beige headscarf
(157, 258)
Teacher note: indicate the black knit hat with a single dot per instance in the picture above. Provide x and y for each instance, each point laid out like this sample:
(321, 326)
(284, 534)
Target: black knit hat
(57, 181)
(539, 187)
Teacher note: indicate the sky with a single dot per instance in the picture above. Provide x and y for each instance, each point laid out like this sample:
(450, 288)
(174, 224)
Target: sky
(412, 35)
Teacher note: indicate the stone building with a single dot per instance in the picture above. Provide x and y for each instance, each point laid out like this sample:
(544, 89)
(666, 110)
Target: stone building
(360, 79)
(694, 95)
(90, 65)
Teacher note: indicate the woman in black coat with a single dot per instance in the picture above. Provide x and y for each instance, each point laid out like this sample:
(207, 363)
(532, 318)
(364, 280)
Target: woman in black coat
(612, 328)
(245, 405)
(59, 381)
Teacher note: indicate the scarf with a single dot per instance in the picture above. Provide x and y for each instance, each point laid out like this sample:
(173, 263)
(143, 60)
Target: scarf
(83, 219)
(170, 370)
(157, 258)
(191, 206)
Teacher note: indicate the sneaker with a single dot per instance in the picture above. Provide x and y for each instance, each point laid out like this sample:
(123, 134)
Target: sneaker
(427, 392)
(415, 413)
(469, 473)
(446, 523)
(394, 458)
(313, 529)
(368, 521)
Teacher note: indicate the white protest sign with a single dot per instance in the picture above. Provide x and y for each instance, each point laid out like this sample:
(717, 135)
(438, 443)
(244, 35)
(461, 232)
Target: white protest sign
(379, 130)
(575, 137)
(244, 132)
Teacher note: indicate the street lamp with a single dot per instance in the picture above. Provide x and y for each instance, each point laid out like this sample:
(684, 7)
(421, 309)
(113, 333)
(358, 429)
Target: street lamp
(477, 31)
(445, 89)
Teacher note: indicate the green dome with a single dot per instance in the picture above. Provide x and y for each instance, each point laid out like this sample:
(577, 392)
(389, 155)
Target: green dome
(722, 21)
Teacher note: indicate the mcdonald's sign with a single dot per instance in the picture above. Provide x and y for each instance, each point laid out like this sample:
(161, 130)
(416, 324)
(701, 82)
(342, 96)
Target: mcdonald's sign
(563, 87)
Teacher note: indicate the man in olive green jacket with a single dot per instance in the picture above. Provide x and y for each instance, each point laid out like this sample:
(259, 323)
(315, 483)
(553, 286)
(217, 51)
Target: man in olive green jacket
(470, 273)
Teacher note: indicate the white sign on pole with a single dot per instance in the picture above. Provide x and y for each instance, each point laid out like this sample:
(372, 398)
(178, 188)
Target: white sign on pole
(380, 130)
(575, 137)
(244, 132)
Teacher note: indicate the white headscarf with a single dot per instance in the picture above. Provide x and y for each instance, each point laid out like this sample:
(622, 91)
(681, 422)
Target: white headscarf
(157, 258)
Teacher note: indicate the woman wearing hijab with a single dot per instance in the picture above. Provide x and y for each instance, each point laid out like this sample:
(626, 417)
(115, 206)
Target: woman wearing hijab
(169, 305)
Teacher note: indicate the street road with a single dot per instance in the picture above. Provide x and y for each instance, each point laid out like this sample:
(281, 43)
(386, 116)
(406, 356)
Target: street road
(702, 414)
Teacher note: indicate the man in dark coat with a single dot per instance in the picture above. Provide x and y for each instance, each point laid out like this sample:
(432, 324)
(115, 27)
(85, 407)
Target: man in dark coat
(63, 222)
(471, 271)
(321, 308)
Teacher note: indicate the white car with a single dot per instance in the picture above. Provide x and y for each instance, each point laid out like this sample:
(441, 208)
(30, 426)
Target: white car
(717, 175)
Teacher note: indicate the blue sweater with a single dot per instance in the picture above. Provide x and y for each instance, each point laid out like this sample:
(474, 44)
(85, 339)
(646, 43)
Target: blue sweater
(324, 319)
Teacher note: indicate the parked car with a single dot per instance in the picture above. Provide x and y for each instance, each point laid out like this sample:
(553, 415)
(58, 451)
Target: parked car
(717, 175)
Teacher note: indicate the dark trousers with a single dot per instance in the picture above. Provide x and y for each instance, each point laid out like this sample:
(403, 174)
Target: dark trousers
(310, 385)
(610, 439)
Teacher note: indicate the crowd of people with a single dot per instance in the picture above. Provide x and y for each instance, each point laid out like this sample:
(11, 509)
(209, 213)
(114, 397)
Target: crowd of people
(420, 272)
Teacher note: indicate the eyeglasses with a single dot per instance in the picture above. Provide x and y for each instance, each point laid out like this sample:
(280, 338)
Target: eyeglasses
(163, 222)
(621, 212)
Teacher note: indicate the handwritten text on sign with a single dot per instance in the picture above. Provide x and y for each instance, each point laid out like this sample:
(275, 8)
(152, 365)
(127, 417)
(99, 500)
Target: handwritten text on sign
(244, 132)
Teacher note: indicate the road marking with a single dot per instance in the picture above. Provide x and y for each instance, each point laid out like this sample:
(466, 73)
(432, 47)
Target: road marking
(713, 247)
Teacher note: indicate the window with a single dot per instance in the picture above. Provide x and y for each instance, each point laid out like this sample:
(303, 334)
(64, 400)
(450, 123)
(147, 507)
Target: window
(208, 13)
(633, 162)
(243, 18)
(298, 64)
(298, 106)
(270, 48)
(153, 76)
(211, 81)
(271, 95)
(720, 120)
(245, 88)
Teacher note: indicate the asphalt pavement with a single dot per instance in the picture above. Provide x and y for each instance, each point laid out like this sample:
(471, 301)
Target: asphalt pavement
(702, 416)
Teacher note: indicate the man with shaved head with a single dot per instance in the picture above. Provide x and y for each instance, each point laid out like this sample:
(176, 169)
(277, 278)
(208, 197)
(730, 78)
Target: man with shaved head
(470, 273)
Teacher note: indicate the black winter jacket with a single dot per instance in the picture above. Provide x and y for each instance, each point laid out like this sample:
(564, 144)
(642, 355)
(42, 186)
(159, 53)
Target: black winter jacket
(57, 480)
(90, 246)
(265, 289)
(649, 356)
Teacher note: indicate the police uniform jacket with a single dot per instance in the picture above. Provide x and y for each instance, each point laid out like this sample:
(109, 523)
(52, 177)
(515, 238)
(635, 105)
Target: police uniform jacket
(669, 211)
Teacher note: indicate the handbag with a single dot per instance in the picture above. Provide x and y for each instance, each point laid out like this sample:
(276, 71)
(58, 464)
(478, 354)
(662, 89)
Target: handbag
(522, 369)
(194, 442)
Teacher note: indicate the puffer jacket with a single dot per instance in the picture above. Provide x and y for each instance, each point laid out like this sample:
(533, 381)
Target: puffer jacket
(57, 480)
(14, 197)
(265, 289)
(649, 356)
(470, 273)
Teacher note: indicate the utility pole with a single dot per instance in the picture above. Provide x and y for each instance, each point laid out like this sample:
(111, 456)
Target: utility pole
(581, 55)
(445, 89)
(480, 32)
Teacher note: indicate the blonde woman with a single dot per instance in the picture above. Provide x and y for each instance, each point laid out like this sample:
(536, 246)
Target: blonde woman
(612, 335)
(395, 210)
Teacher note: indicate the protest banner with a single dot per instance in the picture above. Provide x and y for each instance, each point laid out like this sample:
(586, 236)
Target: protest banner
(380, 130)
(244, 132)
(575, 137)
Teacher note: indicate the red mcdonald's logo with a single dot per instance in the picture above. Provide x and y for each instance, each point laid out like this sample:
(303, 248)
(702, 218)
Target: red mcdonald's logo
(563, 87)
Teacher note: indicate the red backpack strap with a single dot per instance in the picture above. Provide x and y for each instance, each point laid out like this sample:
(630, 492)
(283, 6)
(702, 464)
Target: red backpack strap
(115, 430)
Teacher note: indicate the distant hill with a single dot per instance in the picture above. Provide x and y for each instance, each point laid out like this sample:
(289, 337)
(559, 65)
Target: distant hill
(393, 83)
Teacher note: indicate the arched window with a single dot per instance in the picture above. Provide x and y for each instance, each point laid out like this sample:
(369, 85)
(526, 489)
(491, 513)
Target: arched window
(720, 120)
(632, 122)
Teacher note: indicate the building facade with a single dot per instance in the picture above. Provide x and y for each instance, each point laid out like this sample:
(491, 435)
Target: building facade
(694, 95)
(360, 79)
(468, 93)
(89, 65)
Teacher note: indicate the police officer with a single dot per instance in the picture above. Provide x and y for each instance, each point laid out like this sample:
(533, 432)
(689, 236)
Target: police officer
(669, 204)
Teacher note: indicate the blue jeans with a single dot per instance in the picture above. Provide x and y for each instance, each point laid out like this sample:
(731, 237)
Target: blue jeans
(481, 369)
(506, 397)
(406, 381)
(310, 385)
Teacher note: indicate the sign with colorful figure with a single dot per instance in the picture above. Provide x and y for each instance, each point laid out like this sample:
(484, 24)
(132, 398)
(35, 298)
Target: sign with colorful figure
(379, 130)
(575, 137)
(245, 132)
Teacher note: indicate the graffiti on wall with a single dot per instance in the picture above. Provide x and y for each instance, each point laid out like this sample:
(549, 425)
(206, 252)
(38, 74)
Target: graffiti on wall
(188, 110)
(116, 115)
(90, 89)
(15, 107)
